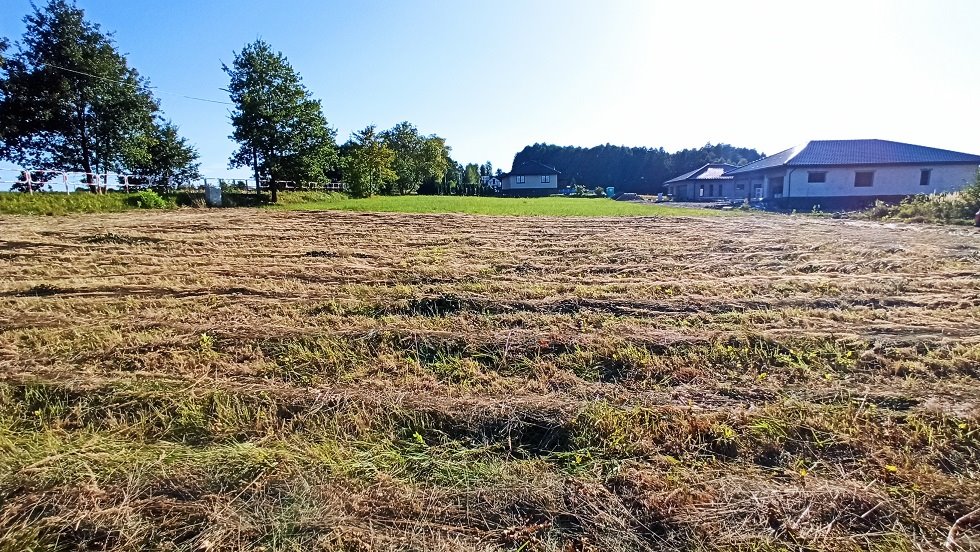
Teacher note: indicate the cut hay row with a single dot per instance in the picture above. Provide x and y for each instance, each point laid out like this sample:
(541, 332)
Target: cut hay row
(237, 380)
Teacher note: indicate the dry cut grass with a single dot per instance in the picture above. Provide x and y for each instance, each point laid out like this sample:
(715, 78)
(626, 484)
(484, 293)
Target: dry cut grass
(243, 380)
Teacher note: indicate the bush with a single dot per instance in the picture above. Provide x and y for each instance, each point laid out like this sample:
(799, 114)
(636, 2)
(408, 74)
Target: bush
(949, 207)
(599, 192)
(147, 199)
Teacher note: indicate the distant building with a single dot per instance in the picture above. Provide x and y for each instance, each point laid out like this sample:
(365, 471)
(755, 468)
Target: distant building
(530, 178)
(491, 182)
(844, 173)
(706, 183)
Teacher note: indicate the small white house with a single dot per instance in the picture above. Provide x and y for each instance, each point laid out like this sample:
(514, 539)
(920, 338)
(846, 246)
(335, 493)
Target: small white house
(530, 178)
(704, 184)
(852, 172)
(491, 182)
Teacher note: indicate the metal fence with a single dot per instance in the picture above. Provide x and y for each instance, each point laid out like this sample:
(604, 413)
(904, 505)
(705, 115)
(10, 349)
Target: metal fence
(38, 180)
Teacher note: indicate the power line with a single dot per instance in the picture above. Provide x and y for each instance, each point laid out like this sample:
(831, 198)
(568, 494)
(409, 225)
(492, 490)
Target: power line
(153, 88)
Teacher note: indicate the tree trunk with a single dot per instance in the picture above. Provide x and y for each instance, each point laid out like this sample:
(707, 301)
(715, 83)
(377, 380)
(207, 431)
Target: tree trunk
(255, 170)
(86, 154)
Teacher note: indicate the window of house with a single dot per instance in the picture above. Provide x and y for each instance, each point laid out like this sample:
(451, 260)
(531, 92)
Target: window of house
(776, 186)
(925, 176)
(816, 177)
(740, 187)
(864, 179)
(701, 190)
(546, 179)
(520, 179)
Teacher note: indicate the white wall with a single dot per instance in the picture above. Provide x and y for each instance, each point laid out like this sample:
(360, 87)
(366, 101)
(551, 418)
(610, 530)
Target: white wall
(749, 183)
(888, 180)
(720, 188)
(727, 189)
(531, 181)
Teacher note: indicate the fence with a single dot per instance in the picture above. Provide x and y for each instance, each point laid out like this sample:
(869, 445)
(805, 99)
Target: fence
(247, 184)
(33, 179)
(36, 180)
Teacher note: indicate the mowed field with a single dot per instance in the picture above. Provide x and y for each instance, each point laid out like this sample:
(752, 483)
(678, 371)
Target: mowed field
(265, 380)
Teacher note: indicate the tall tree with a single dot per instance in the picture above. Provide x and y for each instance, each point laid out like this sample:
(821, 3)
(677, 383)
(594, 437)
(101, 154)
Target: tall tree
(279, 126)
(471, 176)
(436, 166)
(454, 177)
(68, 98)
(418, 159)
(404, 139)
(169, 159)
(367, 163)
(435, 159)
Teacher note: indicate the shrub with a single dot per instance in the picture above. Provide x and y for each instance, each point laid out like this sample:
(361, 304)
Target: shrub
(147, 199)
(186, 198)
(947, 207)
(880, 210)
(599, 192)
(928, 208)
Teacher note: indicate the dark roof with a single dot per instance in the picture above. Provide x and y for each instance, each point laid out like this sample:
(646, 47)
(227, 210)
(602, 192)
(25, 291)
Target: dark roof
(711, 171)
(818, 153)
(530, 168)
(776, 160)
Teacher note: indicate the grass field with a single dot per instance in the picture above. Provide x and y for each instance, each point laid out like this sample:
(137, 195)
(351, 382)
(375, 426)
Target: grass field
(61, 204)
(539, 206)
(82, 202)
(266, 380)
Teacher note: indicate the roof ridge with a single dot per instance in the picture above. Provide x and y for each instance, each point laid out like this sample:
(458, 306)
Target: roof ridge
(537, 162)
(761, 159)
(797, 152)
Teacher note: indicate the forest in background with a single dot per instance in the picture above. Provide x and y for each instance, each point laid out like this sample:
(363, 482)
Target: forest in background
(629, 169)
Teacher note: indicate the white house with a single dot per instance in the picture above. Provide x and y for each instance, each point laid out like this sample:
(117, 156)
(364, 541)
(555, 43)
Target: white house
(842, 173)
(491, 182)
(530, 178)
(706, 183)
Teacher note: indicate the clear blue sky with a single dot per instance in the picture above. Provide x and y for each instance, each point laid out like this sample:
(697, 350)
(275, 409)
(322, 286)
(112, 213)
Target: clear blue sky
(494, 76)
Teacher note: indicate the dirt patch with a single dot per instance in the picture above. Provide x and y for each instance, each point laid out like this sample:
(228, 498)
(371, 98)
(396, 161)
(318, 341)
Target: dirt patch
(109, 237)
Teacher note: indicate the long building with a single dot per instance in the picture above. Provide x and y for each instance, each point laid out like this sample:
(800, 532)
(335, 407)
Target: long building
(835, 173)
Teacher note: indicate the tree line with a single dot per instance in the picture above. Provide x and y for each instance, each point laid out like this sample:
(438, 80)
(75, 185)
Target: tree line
(70, 101)
(629, 169)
